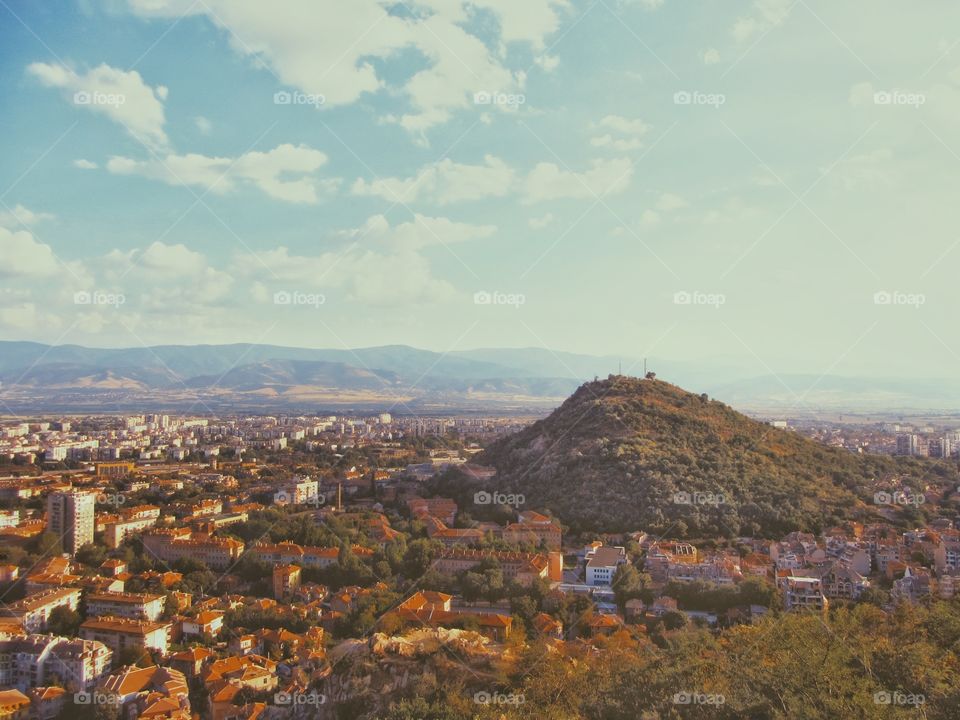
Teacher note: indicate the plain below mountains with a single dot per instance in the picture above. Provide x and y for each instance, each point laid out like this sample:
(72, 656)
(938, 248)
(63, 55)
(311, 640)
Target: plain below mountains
(249, 377)
(37, 377)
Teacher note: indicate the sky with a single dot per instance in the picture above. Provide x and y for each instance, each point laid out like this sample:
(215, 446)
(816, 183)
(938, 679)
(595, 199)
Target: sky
(770, 183)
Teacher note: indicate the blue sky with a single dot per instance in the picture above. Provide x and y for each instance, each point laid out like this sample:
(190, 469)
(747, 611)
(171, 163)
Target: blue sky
(765, 183)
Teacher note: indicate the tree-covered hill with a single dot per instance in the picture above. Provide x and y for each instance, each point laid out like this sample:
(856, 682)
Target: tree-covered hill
(628, 453)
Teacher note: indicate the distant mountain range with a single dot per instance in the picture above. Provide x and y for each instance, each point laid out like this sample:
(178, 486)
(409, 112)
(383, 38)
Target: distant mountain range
(248, 377)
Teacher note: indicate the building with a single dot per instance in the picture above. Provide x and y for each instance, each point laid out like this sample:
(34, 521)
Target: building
(309, 557)
(115, 532)
(33, 611)
(151, 692)
(9, 518)
(286, 580)
(525, 568)
(120, 634)
(426, 608)
(844, 583)
(946, 556)
(604, 563)
(114, 469)
(70, 517)
(536, 529)
(136, 606)
(215, 553)
(208, 622)
(47, 702)
(444, 509)
(299, 491)
(38, 660)
(910, 444)
(913, 586)
(14, 705)
(803, 593)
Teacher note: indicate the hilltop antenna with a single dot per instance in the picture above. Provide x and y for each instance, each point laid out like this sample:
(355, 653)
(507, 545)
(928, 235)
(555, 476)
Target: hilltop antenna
(644, 367)
(619, 367)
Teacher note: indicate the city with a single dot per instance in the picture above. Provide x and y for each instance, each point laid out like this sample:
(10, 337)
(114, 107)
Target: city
(169, 566)
(479, 360)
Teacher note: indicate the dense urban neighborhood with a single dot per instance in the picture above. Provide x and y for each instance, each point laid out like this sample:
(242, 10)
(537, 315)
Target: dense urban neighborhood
(161, 566)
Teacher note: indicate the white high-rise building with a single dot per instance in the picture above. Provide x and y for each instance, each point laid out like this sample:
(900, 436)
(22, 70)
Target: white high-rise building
(70, 517)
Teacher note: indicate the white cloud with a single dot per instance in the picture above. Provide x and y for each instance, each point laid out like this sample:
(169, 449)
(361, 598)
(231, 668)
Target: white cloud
(203, 124)
(381, 265)
(623, 145)
(870, 170)
(626, 133)
(19, 215)
(668, 202)
(269, 171)
(85, 164)
(121, 95)
(765, 15)
(352, 274)
(323, 50)
(24, 256)
(711, 56)
(26, 316)
(538, 223)
(171, 259)
(647, 4)
(164, 278)
(861, 94)
(443, 183)
(624, 125)
(422, 231)
(548, 181)
(548, 63)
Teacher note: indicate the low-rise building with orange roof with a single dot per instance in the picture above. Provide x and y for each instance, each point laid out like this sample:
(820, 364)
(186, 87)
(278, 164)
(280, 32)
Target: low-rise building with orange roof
(46, 702)
(121, 633)
(143, 606)
(208, 622)
(157, 693)
(192, 661)
(14, 705)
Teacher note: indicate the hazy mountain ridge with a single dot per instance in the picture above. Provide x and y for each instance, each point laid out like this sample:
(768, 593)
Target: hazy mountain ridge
(34, 374)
